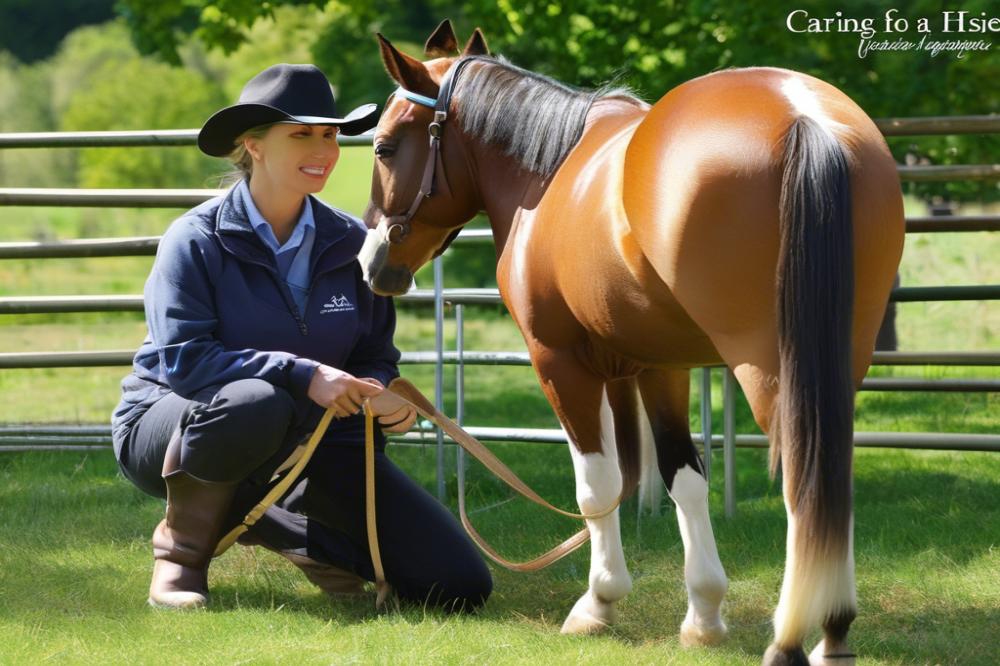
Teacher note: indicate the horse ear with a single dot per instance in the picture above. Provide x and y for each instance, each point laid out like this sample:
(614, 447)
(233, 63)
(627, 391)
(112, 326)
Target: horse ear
(476, 45)
(442, 42)
(406, 71)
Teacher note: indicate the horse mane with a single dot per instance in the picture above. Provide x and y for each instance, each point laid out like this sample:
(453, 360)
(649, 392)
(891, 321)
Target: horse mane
(530, 117)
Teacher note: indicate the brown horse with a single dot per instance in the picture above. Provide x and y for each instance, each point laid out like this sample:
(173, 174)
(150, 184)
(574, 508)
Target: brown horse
(751, 217)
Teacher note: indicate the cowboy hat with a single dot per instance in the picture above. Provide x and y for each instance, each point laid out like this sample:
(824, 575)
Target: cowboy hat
(281, 94)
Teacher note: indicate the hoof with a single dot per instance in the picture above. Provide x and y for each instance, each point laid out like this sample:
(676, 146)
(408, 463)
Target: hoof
(589, 616)
(179, 600)
(693, 635)
(835, 655)
(776, 656)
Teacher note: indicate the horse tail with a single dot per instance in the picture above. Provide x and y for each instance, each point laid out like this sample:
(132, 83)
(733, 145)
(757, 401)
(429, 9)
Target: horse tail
(814, 417)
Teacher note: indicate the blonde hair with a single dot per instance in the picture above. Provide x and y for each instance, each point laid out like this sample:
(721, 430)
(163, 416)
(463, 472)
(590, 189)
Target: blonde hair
(241, 158)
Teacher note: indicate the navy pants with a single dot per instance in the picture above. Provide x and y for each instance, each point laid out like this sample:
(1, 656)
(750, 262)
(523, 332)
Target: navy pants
(244, 430)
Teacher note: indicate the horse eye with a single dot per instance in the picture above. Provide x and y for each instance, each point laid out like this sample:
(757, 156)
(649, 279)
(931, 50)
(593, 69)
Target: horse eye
(384, 150)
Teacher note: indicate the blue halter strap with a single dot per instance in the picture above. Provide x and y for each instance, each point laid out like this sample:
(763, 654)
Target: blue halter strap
(415, 98)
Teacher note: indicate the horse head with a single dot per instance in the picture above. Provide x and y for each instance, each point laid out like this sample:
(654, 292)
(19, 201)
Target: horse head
(423, 189)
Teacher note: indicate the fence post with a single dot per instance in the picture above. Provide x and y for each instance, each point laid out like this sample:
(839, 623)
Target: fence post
(729, 439)
(460, 395)
(706, 420)
(439, 368)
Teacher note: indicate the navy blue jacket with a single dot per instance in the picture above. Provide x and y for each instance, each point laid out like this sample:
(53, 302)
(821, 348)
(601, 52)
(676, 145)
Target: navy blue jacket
(218, 311)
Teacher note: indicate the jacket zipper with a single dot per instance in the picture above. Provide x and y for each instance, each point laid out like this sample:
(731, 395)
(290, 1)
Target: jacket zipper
(285, 293)
(283, 288)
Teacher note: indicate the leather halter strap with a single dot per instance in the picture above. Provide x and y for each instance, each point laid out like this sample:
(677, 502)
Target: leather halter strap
(398, 226)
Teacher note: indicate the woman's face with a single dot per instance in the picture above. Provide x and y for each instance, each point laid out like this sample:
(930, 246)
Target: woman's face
(295, 158)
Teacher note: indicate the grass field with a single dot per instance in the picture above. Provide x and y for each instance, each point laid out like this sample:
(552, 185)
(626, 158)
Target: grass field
(75, 561)
(74, 549)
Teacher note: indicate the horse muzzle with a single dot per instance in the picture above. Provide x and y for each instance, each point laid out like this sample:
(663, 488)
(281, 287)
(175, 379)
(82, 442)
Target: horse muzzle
(382, 277)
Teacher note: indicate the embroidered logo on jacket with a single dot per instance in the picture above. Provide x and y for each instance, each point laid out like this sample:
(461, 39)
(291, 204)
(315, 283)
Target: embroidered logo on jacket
(337, 304)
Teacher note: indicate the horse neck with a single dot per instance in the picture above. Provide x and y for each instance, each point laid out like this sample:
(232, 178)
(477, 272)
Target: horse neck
(505, 190)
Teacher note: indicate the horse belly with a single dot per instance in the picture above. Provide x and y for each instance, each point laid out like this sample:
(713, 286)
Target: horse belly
(631, 314)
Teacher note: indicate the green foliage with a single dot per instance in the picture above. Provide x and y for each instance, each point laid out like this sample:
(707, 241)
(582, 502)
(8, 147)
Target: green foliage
(25, 106)
(100, 82)
(654, 46)
(648, 44)
(139, 94)
(160, 27)
(32, 29)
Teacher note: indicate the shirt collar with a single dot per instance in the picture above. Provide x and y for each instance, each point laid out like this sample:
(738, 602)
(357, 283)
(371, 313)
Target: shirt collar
(305, 224)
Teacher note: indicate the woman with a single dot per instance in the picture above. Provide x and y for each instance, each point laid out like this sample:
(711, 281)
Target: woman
(258, 321)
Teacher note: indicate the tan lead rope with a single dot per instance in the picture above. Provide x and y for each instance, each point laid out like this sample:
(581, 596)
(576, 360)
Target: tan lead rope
(381, 586)
(279, 489)
(409, 394)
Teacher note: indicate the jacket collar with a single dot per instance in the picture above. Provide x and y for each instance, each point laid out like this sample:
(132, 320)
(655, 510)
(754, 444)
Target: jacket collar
(339, 237)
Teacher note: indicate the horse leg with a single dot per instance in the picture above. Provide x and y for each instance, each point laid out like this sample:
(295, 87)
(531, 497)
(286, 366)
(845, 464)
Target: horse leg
(580, 400)
(665, 395)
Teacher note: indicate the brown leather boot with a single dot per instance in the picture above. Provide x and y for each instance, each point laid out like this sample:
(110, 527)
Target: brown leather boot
(334, 581)
(184, 541)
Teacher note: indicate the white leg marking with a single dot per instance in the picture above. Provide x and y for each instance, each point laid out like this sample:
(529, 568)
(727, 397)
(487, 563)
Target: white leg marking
(811, 591)
(598, 484)
(703, 572)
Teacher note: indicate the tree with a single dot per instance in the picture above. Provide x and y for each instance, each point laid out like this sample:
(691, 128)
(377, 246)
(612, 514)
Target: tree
(25, 106)
(651, 45)
(102, 83)
(32, 29)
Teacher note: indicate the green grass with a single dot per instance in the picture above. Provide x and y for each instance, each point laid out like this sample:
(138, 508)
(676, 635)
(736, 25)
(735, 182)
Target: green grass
(75, 561)
(74, 553)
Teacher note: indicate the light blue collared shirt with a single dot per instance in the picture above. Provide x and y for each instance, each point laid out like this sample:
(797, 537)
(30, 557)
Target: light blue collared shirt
(293, 256)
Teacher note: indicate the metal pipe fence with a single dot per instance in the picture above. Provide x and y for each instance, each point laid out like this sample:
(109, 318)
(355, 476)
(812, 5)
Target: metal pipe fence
(22, 437)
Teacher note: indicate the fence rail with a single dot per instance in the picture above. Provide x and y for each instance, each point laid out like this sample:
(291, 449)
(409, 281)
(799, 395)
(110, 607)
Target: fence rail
(952, 223)
(99, 437)
(930, 125)
(986, 124)
(142, 246)
(134, 303)
(138, 138)
(60, 437)
(123, 357)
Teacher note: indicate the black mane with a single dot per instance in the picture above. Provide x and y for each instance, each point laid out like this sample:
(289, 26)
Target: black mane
(529, 116)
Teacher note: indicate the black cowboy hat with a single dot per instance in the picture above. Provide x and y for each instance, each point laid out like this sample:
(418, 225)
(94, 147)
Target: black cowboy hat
(281, 94)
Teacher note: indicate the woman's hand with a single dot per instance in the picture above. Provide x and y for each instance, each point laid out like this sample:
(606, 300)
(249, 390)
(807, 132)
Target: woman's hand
(394, 415)
(341, 390)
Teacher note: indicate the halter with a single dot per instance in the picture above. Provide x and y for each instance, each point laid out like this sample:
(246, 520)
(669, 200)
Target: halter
(399, 225)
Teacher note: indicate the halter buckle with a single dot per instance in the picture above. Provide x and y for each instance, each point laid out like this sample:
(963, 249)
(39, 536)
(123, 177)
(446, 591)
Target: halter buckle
(397, 232)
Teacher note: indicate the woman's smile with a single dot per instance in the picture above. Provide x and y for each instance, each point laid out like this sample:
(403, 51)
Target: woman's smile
(315, 171)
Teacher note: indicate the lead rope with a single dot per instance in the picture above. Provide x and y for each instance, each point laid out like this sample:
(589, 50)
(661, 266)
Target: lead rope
(409, 394)
(279, 489)
(382, 588)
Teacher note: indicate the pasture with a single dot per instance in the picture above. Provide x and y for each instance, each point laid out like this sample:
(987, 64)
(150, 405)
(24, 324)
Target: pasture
(74, 535)
(75, 562)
